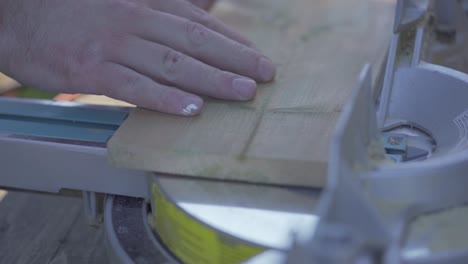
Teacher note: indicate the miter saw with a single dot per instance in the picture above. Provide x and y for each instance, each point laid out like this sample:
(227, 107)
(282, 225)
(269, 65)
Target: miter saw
(397, 185)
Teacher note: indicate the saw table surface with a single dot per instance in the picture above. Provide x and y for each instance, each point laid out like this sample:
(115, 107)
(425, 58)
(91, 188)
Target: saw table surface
(281, 137)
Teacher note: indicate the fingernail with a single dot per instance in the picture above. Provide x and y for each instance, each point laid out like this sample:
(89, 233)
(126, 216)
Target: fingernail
(244, 88)
(191, 105)
(266, 69)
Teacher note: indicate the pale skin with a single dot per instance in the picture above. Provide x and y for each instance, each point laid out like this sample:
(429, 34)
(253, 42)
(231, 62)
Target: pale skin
(158, 54)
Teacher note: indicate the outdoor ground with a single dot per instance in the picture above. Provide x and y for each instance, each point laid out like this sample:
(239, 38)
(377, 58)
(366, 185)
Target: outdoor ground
(41, 228)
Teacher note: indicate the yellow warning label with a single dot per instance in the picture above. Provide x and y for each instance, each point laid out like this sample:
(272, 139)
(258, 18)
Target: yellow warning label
(193, 242)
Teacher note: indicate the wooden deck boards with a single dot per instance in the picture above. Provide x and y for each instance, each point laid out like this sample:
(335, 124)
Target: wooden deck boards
(41, 228)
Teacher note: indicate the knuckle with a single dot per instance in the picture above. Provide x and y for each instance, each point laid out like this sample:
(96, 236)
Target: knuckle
(90, 51)
(194, 10)
(132, 85)
(244, 50)
(206, 19)
(205, 4)
(115, 44)
(172, 64)
(127, 89)
(131, 82)
(77, 67)
(213, 74)
(196, 33)
(201, 16)
(248, 56)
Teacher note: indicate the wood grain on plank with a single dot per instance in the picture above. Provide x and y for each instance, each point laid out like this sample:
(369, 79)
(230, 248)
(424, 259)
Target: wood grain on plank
(282, 136)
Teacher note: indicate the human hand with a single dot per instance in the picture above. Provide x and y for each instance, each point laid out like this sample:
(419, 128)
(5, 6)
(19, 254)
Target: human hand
(153, 53)
(205, 4)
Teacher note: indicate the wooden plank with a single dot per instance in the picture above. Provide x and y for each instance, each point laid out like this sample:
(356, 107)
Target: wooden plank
(282, 136)
(40, 228)
(7, 84)
(83, 244)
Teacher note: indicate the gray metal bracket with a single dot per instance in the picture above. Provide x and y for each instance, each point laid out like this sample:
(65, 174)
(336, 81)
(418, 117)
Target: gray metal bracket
(93, 204)
(371, 201)
(51, 159)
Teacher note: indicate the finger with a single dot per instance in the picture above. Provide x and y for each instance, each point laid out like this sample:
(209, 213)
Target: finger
(185, 9)
(125, 84)
(170, 66)
(203, 44)
(204, 4)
